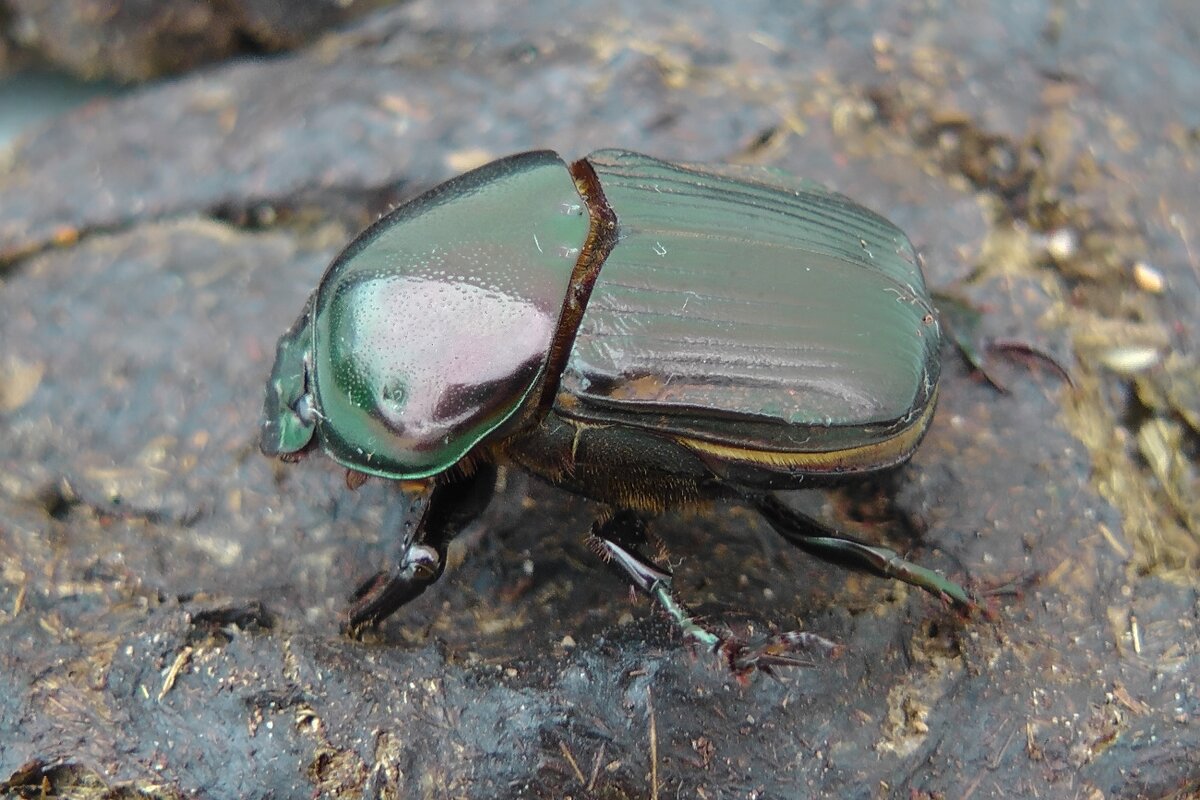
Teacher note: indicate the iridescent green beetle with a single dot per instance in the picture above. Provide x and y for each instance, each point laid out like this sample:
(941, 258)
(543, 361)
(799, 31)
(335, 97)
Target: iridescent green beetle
(647, 334)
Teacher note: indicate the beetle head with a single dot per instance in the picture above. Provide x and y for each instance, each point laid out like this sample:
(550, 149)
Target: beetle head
(290, 412)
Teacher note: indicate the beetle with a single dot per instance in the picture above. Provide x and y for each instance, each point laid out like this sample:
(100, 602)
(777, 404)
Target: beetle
(651, 335)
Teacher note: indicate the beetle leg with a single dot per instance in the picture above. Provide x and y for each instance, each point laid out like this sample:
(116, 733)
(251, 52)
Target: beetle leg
(618, 542)
(964, 322)
(827, 544)
(436, 512)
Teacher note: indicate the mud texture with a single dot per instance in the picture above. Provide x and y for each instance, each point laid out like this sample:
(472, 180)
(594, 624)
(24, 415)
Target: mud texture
(169, 598)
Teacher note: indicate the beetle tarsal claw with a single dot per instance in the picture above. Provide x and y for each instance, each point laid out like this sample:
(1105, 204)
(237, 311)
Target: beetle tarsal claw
(790, 649)
(744, 656)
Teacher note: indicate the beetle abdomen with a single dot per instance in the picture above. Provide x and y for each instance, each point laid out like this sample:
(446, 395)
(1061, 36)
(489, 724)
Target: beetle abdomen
(748, 309)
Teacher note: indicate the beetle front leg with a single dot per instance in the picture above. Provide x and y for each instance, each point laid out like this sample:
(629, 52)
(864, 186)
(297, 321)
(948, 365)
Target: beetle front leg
(435, 514)
(619, 541)
(827, 544)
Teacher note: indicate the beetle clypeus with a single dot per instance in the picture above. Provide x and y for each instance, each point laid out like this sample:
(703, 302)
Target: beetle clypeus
(648, 334)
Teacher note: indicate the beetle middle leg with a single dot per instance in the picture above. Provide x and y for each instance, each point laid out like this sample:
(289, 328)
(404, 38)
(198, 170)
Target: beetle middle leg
(436, 512)
(619, 541)
(827, 544)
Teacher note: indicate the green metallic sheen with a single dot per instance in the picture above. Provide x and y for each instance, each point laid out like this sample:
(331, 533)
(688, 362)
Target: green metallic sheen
(434, 326)
(285, 428)
(743, 306)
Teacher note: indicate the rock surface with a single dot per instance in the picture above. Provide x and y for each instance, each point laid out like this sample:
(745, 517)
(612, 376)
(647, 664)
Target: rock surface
(169, 598)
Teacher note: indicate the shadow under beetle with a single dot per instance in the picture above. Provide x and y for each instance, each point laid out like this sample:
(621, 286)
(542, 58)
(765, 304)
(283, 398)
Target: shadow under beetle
(647, 334)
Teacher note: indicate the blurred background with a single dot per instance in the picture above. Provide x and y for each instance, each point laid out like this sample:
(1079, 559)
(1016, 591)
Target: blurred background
(54, 55)
(30, 96)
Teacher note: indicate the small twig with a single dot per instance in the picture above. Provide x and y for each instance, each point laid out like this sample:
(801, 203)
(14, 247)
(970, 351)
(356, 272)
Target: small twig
(994, 763)
(972, 786)
(596, 768)
(653, 748)
(566, 751)
(177, 667)
(19, 600)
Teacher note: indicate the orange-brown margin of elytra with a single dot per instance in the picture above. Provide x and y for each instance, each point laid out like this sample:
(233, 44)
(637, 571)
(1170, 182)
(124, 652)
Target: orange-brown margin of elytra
(601, 239)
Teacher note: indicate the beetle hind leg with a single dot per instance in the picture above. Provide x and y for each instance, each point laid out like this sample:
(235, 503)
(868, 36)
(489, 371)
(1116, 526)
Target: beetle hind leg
(827, 544)
(619, 541)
